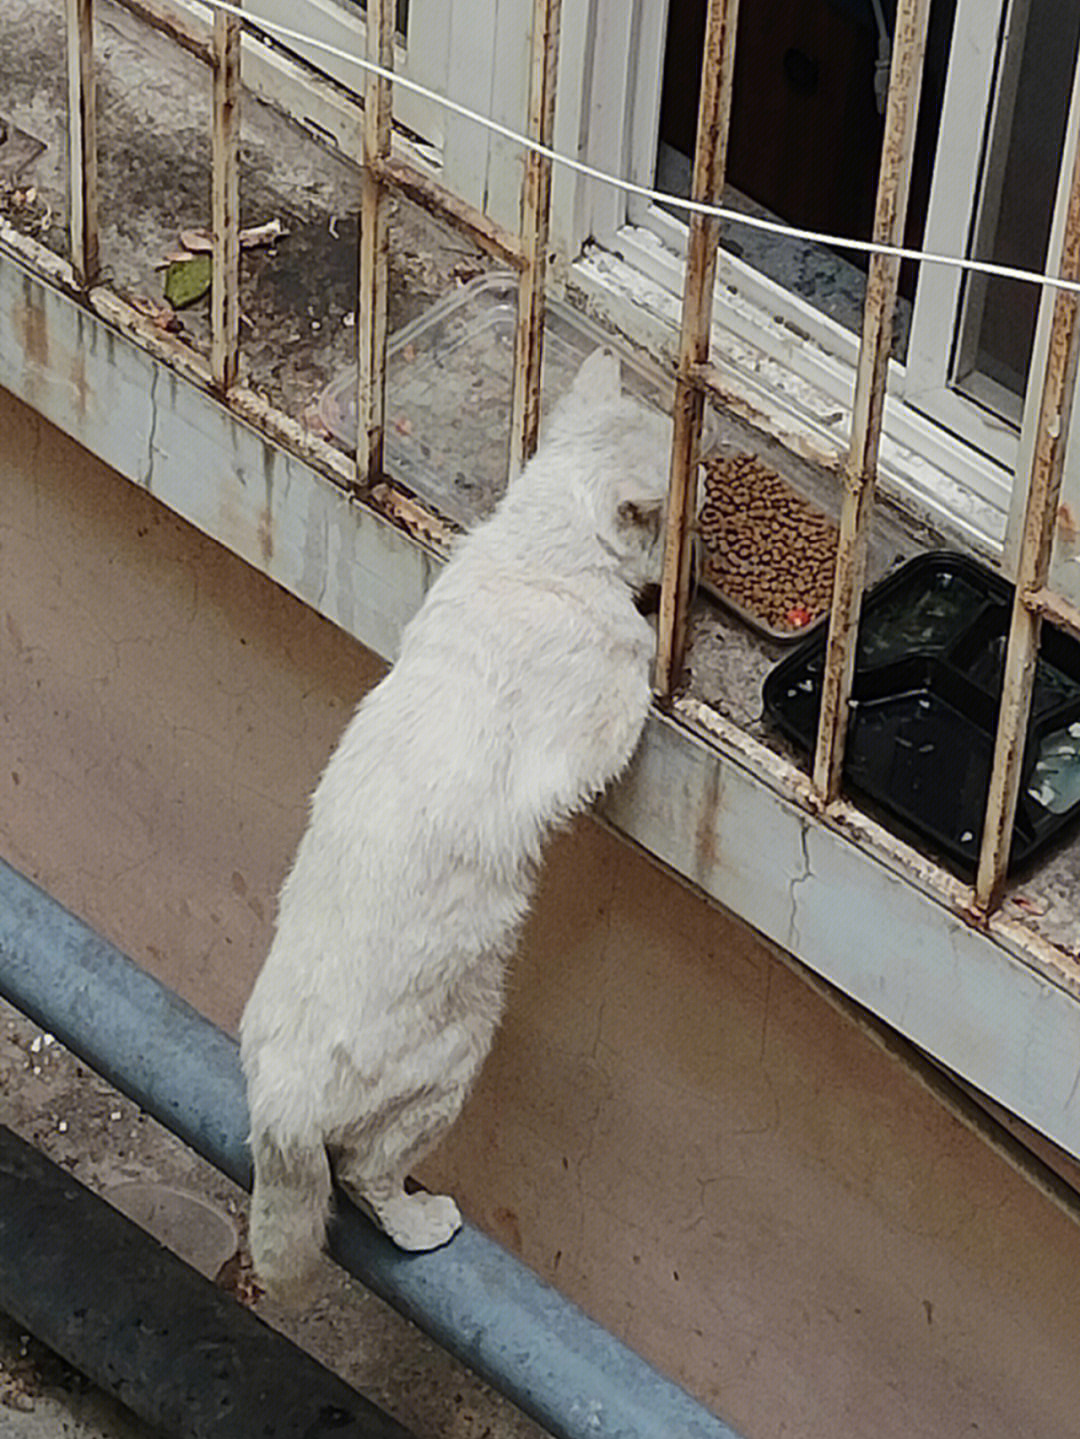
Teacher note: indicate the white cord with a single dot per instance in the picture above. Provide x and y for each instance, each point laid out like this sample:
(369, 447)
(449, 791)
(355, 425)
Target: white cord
(630, 187)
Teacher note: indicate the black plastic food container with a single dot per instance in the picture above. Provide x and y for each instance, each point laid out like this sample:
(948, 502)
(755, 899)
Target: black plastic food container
(924, 708)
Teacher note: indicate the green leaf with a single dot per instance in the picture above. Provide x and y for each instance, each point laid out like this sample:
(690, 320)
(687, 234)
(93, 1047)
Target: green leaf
(188, 280)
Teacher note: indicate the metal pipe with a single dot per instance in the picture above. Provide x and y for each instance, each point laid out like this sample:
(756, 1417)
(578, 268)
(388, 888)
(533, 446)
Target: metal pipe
(150, 1330)
(191, 35)
(535, 225)
(225, 203)
(1056, 609)
(710, 159)
(860, 469)
(436, 199)
(473, 1298)
(82, 142)
(1033, 564)
(374, 258)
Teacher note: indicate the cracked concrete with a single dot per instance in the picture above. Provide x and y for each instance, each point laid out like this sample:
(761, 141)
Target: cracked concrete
(796, 881)
(671, 1127)
(298, 300)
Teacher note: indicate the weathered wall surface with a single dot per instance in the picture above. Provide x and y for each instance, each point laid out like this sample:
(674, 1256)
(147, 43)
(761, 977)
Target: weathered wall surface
(671, 1126)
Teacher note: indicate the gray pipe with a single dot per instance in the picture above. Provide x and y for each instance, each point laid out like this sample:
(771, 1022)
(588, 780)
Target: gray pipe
(472, 1297)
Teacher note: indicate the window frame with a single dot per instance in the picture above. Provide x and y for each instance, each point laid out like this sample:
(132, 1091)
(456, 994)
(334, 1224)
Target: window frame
(960, 441)
(949, 455)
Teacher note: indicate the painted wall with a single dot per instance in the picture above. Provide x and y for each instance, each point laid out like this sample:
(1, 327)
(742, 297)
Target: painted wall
(672, 1127)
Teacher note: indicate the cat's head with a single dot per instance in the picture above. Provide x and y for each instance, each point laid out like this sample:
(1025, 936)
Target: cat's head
(622, 450)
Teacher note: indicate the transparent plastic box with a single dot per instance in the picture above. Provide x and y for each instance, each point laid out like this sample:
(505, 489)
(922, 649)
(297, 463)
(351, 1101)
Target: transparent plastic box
(448, 392)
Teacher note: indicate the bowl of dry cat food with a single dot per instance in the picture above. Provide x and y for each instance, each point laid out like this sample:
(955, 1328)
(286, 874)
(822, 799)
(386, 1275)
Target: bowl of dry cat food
(766, 552)
(924, 705)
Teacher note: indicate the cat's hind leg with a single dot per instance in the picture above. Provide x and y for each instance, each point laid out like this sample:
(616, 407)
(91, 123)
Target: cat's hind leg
(371, 1166)
(416, 1222)
(290, 1204)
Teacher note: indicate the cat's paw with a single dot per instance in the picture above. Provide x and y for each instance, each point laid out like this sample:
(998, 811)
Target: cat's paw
(419, 1221)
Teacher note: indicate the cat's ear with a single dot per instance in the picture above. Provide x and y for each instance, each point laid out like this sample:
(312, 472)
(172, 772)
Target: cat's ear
(645, 518)
(599, 377)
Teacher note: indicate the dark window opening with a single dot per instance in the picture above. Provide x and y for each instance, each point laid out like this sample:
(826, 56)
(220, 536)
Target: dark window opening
(806, 131)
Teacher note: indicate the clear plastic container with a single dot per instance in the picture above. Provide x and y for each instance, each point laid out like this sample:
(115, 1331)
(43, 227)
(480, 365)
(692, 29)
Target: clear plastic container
(448, 392)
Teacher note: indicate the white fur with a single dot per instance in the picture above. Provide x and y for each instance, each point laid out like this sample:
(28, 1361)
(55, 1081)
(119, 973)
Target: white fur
(521, 691)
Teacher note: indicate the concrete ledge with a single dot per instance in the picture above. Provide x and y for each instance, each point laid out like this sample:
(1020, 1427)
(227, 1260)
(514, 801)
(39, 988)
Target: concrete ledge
(996, 1005)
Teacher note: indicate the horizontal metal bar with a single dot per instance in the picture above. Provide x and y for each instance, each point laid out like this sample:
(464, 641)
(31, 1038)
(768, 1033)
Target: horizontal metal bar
(170, 20)
(1056, 609)
(473, 1298)
(423, 190)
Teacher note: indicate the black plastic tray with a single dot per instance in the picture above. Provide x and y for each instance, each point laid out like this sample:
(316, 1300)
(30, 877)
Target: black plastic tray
(924, 707)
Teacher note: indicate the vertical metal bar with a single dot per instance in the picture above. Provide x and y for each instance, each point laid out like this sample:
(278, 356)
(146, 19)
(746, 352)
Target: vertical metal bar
(860, 470)
(535, 216)
(710, 158)
(225, 203)
(82, 141)
(1033, 564)
(374, 254)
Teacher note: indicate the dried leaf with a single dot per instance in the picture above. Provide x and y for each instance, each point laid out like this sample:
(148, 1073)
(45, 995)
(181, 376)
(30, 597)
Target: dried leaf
(174, 257)
(262, 234)
(163, 316)
(199, 242)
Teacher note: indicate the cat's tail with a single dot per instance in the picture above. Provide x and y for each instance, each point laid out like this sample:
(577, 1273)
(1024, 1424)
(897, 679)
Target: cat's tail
(290, 1207)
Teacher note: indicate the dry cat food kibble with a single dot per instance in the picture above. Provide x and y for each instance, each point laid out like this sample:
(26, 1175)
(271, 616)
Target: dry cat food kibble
(766, 549)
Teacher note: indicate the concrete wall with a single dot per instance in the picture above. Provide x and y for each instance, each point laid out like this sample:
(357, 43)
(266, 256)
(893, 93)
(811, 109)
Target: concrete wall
(671, 1127)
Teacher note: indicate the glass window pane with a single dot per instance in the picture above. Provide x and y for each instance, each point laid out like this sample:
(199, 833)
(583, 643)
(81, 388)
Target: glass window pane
(806, 131)
(1016, 201)
(401, 24)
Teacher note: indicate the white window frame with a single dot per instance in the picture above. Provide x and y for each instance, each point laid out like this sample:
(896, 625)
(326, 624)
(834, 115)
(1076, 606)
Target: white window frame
(936, 317)
(941, 449)
(1064, 576)
(961, 476)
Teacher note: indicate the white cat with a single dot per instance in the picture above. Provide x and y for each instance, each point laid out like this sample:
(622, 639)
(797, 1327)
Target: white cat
(521, 691)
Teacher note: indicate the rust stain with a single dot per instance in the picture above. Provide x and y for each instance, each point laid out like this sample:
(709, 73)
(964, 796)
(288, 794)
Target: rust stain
(1068, 525)
(174, 26)
(508, 1228)
(77, 371)
(265, 527)
(32, 327)
(706, 847)
(265, 533)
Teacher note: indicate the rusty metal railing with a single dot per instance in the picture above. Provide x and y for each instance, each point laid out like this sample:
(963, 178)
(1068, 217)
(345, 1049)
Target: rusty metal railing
(1033, 599)
(381, 172)
(710, 155)
(82, 141)
(225, 204)
(860, 469)
(696, 377)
